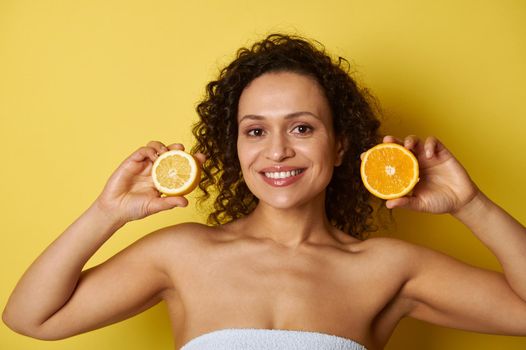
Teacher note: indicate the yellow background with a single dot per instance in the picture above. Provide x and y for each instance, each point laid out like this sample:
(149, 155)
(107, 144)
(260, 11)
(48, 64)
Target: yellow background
(85, 83)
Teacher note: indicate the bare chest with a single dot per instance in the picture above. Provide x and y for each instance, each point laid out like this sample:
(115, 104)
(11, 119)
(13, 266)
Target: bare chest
(323, 290)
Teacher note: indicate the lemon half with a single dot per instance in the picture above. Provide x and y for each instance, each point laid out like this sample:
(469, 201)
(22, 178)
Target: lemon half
(176, 173)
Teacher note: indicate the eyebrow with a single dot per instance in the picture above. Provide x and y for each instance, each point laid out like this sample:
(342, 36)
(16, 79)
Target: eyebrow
(288, 116)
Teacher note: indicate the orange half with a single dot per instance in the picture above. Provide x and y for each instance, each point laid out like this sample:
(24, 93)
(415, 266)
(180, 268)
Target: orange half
(389, 170)
(176, 173)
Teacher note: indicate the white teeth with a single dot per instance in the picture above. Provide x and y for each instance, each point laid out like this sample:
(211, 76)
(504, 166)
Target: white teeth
(283, 174)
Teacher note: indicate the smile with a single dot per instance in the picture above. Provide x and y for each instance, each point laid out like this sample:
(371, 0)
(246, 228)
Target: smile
(282, 178)
(283, 174)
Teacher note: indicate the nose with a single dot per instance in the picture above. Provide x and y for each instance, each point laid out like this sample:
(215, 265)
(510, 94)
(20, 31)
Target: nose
(278, 148)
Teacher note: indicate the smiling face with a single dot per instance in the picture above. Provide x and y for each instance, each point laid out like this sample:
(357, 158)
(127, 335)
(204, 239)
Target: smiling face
(286, 143)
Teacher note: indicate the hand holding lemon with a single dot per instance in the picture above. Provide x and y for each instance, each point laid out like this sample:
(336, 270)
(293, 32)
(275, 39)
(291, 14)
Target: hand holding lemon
(176, 173)
(131, 193)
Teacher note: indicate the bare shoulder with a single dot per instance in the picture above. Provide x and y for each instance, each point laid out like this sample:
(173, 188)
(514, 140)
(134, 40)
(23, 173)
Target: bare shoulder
(410, 255)
(182, 231)
(443, 290)
(396, 263)
(400, 257)
(388, 247)
(417, 266)
(175, 251)
(164, 247)
(179, 238)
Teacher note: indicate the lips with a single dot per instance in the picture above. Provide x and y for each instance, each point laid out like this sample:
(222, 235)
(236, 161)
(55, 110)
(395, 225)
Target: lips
(281, 176)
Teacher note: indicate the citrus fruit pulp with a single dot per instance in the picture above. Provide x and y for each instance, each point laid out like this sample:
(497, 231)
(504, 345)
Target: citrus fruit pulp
(389, 170)
(175, 173)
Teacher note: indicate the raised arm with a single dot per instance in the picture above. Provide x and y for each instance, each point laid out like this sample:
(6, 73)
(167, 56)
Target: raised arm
(446, 291)
(502, 234)
(55, 299)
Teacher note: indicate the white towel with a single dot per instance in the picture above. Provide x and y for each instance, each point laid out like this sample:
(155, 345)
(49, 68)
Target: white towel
(269, 339)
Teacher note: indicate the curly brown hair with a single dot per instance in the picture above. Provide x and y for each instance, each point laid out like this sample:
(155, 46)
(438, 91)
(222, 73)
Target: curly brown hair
(347, 203)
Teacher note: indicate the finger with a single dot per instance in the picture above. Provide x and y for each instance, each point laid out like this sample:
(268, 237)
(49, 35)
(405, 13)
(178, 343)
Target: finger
(407, 202)
(158, 146)
(410, 142)
(144, 153)
(397, 203)
(430, 146)
(391, 139)
(200, 157)
(168, 202)
(178, 146)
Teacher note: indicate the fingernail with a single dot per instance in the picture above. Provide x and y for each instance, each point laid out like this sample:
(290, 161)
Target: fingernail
(429, 153)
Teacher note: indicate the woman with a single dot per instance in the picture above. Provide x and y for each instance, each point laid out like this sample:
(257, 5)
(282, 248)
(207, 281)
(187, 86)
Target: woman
(285, 263)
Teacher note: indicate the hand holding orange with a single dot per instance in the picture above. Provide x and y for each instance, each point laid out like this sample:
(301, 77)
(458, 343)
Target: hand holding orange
(389, 170)
(444, 186)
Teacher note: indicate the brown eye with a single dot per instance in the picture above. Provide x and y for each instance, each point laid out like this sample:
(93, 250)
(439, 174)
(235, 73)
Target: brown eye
(302, 129)
(255, 132)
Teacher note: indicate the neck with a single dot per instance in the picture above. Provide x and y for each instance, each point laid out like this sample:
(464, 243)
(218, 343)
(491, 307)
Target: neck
(291, 227)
